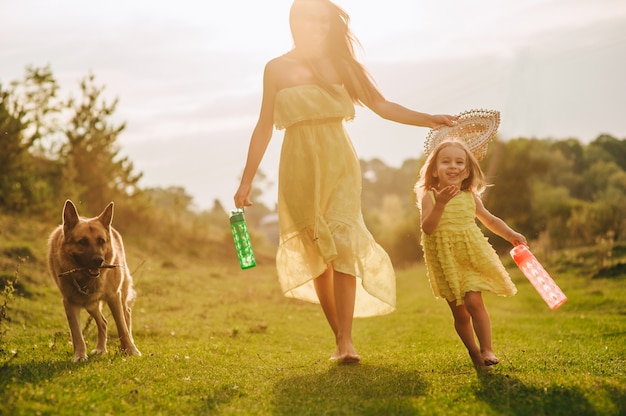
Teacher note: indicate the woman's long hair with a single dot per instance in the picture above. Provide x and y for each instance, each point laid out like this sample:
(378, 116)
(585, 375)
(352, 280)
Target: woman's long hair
(340, 49)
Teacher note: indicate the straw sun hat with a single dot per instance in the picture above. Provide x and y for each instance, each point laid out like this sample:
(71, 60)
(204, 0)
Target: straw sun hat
(474, 127)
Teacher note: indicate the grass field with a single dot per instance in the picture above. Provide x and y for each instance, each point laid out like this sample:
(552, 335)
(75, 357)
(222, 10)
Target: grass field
(218, 340)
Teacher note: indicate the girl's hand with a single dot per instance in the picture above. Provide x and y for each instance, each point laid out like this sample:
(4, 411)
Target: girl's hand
(446, 194)
(516, 239)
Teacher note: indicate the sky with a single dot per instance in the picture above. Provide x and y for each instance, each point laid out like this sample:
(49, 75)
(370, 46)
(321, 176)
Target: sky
(188, 73)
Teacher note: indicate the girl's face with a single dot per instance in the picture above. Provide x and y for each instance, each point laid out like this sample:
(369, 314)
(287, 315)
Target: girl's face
(451, 166)
(310, 24)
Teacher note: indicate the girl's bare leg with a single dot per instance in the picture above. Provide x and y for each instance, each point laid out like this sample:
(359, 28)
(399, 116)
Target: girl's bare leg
(482, 326)
(463, 326)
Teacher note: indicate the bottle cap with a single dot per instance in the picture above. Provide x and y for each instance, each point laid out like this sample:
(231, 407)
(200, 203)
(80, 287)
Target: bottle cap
(236, 215)
(520, 253)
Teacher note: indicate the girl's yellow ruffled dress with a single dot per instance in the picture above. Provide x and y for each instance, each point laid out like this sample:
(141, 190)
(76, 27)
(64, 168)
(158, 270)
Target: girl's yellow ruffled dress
(459, 258)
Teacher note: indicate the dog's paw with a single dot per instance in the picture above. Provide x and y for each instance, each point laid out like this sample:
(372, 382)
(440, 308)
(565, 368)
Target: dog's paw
(99, 351)
(80, 358)
(132, 350)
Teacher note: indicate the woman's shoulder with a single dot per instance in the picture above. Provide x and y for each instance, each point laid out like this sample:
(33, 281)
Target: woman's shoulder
(283, 62)
(274, 65)
(274, 73)
(283, 71)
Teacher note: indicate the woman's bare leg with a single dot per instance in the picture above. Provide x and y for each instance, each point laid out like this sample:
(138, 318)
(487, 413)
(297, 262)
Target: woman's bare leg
(337, 292)
(345, 295)
(324, 287)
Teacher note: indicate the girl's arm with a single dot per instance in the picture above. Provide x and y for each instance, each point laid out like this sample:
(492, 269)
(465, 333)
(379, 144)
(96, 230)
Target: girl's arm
(432, 211)
(260, 136)
(496, 225)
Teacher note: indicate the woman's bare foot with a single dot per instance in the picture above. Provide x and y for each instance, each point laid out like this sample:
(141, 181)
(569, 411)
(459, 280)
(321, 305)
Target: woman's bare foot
(350, 359)
(479, 362)
(346, 358)
(490, 358)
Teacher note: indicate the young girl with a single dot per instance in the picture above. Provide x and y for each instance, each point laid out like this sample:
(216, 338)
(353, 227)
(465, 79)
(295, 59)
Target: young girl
(460, 262)
(326, 254)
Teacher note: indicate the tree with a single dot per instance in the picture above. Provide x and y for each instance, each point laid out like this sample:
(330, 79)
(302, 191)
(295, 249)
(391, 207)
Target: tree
(30, 113)
(380, 179)
(38, 106)
(613, 149)
(92, 152)
(172, 199)
(13, 156)
(510, 196)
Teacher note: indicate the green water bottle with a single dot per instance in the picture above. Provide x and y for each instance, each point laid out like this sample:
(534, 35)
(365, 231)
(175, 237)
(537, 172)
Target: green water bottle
(241, 236)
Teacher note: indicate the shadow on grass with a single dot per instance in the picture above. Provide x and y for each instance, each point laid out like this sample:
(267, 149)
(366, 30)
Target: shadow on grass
(33, 372)
(359, 389)
(506, 394)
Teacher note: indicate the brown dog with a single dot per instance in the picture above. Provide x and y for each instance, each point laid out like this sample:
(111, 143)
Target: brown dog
(88, 264)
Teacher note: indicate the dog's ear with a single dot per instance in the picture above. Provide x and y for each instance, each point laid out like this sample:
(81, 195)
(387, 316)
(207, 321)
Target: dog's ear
(106, 217)
(70, 216)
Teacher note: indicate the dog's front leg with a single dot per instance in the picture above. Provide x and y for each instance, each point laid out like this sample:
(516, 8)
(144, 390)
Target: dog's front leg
(95, 310)
(126, 341)
(72, 312)
(127, 303)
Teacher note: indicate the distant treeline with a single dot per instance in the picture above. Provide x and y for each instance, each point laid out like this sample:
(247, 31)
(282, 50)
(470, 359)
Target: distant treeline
(53, 149)
(559, 193)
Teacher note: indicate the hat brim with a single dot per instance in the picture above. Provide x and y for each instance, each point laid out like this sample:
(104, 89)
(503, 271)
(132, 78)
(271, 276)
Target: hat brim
(474, 127)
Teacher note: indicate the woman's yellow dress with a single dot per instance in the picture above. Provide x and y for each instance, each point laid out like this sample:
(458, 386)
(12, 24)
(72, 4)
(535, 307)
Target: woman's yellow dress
(459, 258)
(319, 201)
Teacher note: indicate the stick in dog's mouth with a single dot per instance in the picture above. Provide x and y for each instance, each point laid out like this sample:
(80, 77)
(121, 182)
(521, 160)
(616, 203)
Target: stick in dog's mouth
(81, 269)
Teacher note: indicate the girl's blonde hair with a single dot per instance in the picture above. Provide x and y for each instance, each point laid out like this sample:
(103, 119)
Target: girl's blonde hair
(340, 49)
(474, 182)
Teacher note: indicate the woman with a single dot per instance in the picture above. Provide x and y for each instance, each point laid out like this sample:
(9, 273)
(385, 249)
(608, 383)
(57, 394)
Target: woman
(326, 254)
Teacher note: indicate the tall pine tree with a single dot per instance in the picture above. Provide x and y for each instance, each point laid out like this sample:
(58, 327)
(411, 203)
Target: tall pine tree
(92, 152)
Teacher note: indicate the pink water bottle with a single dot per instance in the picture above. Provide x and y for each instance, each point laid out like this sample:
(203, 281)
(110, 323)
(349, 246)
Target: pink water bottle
(540, 279)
